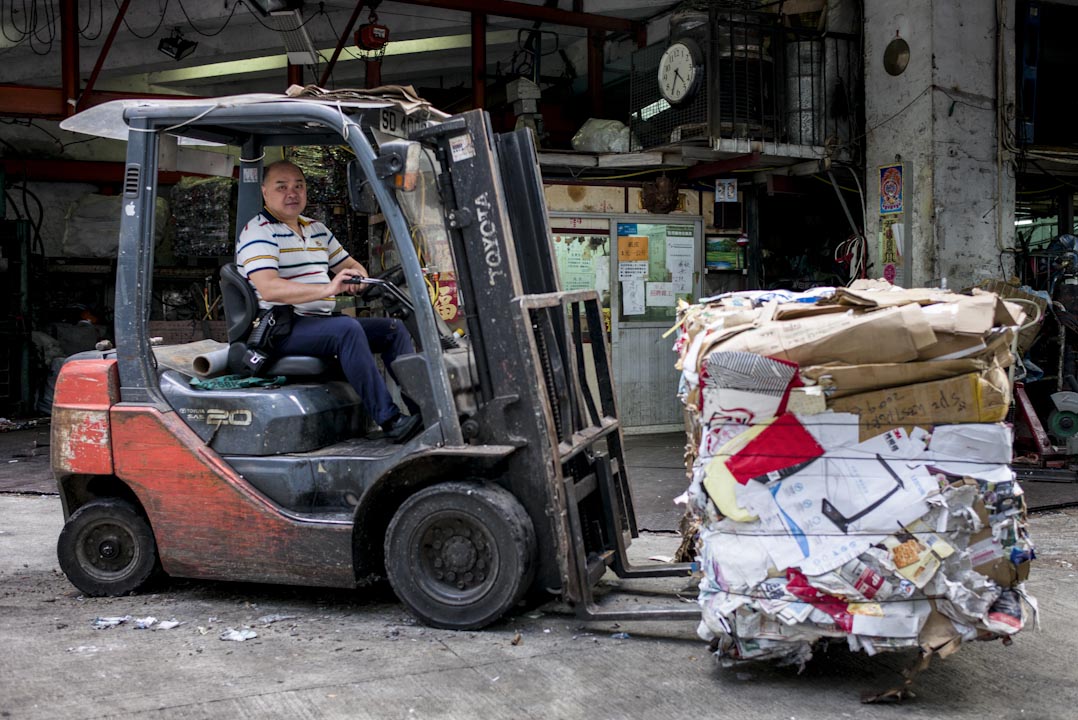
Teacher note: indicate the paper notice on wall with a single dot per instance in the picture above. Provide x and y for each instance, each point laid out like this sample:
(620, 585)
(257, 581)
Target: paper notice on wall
(632, 248)
(632, 297)
(632, 270)
(680, 261)
(660, 294)
(602, 275)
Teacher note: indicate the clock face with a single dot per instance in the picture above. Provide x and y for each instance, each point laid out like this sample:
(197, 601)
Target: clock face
(679, 71)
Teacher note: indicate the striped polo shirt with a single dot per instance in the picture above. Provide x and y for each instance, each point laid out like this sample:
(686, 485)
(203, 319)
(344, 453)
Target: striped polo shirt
(266, 243)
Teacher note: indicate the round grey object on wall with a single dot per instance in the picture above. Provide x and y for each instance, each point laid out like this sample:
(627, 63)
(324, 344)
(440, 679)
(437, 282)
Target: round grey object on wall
(896, 57)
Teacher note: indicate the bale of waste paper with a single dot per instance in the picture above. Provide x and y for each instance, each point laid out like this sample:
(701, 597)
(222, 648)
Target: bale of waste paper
(849, 467)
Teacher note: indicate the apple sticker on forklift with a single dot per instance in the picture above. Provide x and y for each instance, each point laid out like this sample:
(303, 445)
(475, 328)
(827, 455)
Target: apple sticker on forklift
(461, 147)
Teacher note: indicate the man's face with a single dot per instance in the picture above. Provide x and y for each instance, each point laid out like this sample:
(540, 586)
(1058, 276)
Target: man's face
(285, 192)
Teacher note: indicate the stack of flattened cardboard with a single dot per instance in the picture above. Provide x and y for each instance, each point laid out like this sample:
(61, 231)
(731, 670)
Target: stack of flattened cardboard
(849, 470)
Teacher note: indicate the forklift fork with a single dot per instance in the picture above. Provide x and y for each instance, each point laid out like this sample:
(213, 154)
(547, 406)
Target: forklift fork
(589, 569)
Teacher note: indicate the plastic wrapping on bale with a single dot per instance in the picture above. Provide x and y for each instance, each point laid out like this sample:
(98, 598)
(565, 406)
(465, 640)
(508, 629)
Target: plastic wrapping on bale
(202, 213)
(883, 514)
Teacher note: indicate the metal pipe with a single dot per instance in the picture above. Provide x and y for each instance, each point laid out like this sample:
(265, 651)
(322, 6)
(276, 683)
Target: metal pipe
(86, 91)
(340, 44)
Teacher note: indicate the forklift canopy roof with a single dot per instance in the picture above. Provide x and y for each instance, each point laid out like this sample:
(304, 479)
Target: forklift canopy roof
(111, 119)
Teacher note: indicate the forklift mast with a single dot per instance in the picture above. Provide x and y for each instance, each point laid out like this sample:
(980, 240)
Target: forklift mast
(530, 340)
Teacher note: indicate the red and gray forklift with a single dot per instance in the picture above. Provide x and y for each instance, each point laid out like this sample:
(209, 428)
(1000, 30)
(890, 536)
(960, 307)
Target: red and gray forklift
(516, 483)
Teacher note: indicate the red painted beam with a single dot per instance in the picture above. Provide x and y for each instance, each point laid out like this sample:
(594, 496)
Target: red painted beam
(89, 89)
(69, 55)
(99, 173)
(479, 60)
(539, 13)
(372, 73)
(340, 45)
(40, 102)
(719, 167)
(295, 75)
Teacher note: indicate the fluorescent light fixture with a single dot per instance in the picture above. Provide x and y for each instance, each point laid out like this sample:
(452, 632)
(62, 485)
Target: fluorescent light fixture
(297, 43)
(265, 7)
(176, 46)
(1023, 222)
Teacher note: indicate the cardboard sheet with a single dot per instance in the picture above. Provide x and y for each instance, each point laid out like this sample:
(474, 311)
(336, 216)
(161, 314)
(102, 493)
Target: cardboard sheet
(890, 335)
(970, 398)
(844, 380)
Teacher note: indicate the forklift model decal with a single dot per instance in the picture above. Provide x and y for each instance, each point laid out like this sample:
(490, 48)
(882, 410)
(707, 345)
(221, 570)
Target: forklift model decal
(492, 252)
(218, 416)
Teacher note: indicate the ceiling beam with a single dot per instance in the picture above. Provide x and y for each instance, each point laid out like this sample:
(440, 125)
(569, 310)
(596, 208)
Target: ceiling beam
(721, 167)
(85, 171)
(539, 13)
(28, 101)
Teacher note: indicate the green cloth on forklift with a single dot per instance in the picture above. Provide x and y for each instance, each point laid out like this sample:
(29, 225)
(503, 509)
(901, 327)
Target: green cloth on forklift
(235, 382)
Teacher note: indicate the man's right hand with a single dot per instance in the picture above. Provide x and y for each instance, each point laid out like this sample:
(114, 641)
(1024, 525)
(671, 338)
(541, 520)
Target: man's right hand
(347, 281)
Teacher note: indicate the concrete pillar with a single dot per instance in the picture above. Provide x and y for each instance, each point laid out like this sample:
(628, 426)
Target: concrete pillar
(937, 124)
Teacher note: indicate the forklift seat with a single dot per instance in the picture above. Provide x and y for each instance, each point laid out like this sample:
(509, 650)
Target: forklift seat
(241, 307)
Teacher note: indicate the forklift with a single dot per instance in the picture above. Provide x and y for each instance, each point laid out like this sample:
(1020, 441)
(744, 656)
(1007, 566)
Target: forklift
(515, 486)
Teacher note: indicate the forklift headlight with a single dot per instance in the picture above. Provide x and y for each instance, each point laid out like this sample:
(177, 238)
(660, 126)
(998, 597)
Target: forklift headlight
(398, 164)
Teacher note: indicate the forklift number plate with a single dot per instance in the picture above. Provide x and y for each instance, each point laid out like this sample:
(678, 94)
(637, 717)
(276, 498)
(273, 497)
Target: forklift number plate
(393, 122)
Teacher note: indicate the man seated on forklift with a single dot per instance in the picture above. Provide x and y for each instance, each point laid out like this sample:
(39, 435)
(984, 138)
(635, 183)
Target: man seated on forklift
(288, 259)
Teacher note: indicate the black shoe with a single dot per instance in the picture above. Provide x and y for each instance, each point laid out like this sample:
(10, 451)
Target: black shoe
(402, 428)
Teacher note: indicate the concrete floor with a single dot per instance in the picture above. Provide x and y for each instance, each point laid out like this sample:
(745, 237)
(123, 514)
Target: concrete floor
(360, 655)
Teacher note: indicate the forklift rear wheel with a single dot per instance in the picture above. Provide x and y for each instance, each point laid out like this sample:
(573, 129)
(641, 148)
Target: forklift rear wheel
(460, 554)
(107, 548)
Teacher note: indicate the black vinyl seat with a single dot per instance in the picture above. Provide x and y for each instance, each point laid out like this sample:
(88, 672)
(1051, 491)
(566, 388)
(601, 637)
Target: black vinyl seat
(241, 308)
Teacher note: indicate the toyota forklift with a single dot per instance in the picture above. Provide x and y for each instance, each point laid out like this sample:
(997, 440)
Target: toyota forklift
(516, 484)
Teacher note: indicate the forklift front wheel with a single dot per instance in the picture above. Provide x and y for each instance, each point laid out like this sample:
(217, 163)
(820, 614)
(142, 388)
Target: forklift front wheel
(107, 548)
(460, 554)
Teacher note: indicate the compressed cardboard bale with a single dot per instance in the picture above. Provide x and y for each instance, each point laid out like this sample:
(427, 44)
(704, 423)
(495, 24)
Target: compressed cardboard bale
(889, 521)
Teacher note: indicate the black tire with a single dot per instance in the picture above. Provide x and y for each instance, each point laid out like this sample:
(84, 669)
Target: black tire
(107, 548)
(459, 555)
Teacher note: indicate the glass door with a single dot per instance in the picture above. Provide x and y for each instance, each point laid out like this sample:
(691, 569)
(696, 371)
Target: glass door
(653, 265)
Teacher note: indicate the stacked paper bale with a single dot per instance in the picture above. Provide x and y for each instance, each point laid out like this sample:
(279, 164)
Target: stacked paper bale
(850, 471)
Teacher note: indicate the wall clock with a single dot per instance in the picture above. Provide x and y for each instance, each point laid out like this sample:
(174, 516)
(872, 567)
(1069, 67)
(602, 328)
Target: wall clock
(680, 71)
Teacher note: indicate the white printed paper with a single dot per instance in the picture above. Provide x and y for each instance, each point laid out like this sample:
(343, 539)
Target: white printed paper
(660, 294)
(632, 269)
(632, 296)
(867, 502)
(681, 262)
(602, 274)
